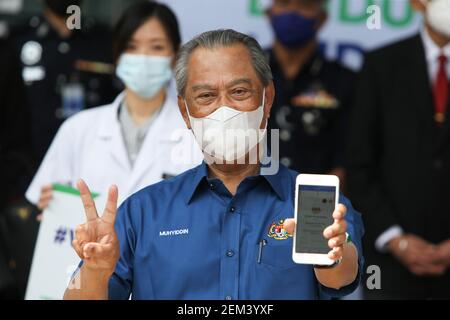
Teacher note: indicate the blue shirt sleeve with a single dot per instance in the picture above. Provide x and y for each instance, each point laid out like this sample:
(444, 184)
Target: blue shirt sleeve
(355, 229)
(120, 283)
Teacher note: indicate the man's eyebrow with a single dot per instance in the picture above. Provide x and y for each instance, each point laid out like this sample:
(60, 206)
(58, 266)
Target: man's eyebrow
(201, 86)
(229, 85)
(239, 81)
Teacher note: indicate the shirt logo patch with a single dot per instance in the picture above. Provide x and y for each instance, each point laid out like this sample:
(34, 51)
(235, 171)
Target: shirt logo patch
(173, 232)
(277, 232)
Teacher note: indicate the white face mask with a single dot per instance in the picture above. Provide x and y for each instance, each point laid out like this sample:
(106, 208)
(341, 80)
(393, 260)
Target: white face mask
(144, 75)
(228, 134)
(438, 15)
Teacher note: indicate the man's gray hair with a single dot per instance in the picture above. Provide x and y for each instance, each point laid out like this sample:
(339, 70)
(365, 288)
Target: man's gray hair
(216, 39)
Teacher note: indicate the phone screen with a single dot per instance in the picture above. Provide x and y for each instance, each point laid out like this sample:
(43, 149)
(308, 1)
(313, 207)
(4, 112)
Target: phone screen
(315, 212)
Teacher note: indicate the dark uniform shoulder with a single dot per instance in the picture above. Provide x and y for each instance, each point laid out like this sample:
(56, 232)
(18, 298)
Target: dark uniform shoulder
(339, 70)
(394, 51)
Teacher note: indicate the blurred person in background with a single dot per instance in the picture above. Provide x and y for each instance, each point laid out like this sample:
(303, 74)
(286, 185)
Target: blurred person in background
(132, 142)
(399, 159)
(313, 94)
(64, 70)
(17, 229)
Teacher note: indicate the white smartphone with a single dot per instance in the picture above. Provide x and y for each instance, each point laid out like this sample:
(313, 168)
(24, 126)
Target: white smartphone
(316, 197)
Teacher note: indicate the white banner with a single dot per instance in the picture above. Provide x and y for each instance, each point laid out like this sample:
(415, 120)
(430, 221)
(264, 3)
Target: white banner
(54, 259)
(345, 36)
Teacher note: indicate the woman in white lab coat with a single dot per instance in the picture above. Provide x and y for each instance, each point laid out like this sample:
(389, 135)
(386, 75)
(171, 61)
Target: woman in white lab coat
(141, 137)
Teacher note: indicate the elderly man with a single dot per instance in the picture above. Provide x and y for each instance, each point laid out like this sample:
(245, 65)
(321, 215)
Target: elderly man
(197, 236)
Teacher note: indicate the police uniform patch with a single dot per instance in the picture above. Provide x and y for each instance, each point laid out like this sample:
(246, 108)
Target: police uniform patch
(320, 99)
(277, 232)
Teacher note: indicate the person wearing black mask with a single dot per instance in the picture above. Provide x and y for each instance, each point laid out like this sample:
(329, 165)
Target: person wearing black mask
(313, 94)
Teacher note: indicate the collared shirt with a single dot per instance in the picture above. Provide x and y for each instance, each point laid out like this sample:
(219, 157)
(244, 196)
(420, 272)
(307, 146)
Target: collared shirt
(432, 53)
(189, 238)
(133, 134)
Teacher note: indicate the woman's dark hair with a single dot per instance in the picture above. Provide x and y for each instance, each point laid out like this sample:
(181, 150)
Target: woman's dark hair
(138, 14)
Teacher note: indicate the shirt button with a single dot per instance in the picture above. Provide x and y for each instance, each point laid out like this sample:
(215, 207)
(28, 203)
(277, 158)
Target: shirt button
(212, 186)
(228, 298)
(230, 253)
(232, 209)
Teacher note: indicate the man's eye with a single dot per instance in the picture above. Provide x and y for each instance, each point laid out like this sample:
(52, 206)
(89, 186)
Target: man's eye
(205, 95)
(240, 92)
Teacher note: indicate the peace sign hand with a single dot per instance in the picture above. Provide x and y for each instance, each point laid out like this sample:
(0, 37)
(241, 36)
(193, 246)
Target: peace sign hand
(96, 241)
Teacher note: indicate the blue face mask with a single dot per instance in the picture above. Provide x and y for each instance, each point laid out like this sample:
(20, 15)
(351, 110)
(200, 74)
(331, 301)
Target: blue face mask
(144, 75)
(293, 30)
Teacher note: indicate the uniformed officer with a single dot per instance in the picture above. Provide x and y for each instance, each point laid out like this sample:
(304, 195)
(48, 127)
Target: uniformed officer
(313, 94)
(209, 228)
(64, 70)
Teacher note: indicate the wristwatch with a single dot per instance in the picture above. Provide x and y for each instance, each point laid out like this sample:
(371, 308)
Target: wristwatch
(336, 262)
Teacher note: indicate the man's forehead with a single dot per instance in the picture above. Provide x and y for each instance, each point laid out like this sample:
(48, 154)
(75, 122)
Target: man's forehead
(229, 65)
(236, 51)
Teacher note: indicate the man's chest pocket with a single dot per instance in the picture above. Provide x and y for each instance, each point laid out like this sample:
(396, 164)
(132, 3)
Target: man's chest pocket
(276, 256)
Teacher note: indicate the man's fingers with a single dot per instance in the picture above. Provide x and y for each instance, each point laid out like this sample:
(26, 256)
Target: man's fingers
(109, 215)
(88, 202)
(337, 228)
(336, 253)
(340, 212)
(96, 250)
(289, 225)
(78, 248)
(337, 241)
(81, 235)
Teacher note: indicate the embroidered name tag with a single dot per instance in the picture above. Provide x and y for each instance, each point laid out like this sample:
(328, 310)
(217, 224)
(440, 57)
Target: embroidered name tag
(170, 233)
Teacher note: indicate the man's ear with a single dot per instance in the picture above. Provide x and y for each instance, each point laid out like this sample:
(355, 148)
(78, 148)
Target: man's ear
(182, 107)
(418, 5)
(270, 96)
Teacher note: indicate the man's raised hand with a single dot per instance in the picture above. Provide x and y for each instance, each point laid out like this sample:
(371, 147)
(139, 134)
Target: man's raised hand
(96, 241)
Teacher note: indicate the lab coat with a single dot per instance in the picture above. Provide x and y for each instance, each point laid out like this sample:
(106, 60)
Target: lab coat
(90, 145)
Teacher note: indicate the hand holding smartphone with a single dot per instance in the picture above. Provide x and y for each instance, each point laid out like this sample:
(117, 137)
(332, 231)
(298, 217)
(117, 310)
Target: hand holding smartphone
(316, 198)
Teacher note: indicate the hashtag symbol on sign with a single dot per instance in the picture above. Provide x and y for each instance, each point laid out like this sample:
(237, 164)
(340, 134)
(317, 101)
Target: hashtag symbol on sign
(60, 235)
